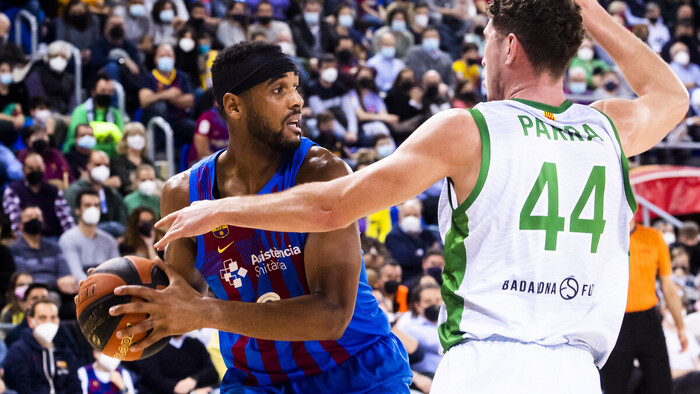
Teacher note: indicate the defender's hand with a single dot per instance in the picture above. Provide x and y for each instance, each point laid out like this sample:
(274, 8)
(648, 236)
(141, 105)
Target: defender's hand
(172, 311)
(198, 218)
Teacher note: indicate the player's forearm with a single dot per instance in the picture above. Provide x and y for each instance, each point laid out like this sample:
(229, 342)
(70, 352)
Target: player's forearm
(673, 301)
(306, 318)
(647, 74)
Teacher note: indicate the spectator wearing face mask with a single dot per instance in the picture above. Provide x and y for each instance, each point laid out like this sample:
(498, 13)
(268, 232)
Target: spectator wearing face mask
(405, 99)
(132, 152)
(116, 56)
(684, 32)
(188, 56)
(79, 27)
(421, 324)
(610, 86)
(344, 25)
(385, 62)
(327, 93)
(140, 235)
(200, 19)
(436, 94)
(165, 19)
(384, 146)
(41, 257)
(112, 211)
(13, 312)
(420, 21)
(57, 171)
(689, 73)
(52, 79)
(235, 28)
(106, 121)
(408, 241)
(396, 24)
(370, 108)
(13, 102)
(585, 60)
(33, 190)
(327, 137)
(577, 83)
(465, 95)
(469, 65)
(267, 25)
(658, 32)
(680, 266)
(104, 376)
(138, 24)
(86, 246)
(433, 263)
(38, 364)
(167, 92)
(428, 56)
(79, 153)
(312, 35)
(146, 193)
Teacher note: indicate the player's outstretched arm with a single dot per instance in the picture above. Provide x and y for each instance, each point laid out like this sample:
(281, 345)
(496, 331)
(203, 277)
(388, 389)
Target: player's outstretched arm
(663, 100)
(447, 145)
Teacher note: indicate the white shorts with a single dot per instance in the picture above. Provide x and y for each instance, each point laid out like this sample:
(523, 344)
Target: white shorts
(492, 367)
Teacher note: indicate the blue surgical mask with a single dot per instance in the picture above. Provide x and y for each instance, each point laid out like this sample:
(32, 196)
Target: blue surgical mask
(577, 87)
(398, 26)
(166, 64)
(137, 10)
(87, 142)
(388, 52)
(431, 44)
(166, 16)
(312, 18)
(204, 48)
(345, 20)
(6, 78)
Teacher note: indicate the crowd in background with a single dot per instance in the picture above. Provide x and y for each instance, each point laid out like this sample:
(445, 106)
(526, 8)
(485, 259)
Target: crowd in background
(79, 186)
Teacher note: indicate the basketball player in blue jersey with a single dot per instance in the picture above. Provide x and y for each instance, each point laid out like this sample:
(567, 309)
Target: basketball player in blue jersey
(535, 211)
(294, 310)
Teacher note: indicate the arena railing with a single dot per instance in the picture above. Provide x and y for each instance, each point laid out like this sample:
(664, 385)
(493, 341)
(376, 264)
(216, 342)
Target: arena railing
(121, 99)
(34, 29)
(78, 70)
(161, 124)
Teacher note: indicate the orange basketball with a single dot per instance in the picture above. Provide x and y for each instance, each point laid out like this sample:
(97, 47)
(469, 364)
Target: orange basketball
(96, 296)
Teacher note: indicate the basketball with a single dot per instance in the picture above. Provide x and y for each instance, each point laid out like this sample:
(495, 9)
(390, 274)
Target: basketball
(96, 296)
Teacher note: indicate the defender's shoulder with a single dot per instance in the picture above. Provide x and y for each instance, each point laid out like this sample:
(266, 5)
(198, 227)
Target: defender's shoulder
(321, 165)
(176, 193)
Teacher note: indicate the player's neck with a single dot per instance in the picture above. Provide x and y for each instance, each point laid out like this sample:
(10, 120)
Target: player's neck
(540, 89)
(248, 163)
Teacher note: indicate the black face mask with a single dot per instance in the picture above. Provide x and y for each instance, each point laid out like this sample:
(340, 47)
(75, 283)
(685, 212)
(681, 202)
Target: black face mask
(238, 17)
(80, 21)
(468, 97)
(103, 100)
(145, 228)
(479, 30)
(33, 227)
(344, 56)
(436, 273)
(366, 83)
(391, 286)
(653, 20)
(610, 86)
(197, 23)
(35, 177)
(39, 146)
(406, 85)
(116, 33)
(431, 91)
(432, 312)
(264, 20)
(472, 62)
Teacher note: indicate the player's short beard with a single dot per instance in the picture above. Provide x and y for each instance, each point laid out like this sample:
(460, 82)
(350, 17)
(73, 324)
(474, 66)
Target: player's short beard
(266, 134)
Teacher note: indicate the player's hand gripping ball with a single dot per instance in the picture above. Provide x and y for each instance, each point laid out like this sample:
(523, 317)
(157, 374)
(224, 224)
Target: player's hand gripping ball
(96, 296)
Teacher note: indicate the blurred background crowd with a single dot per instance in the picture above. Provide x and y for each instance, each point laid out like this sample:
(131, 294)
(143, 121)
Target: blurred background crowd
(102, 100)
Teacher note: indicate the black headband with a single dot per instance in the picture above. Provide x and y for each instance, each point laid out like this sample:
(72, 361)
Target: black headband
(252, 72)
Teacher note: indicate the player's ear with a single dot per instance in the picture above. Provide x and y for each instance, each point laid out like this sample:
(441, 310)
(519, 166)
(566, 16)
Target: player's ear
(232, 105)
(512, 48)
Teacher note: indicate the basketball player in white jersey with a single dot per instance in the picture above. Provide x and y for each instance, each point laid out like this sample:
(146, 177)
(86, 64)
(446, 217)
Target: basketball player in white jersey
(535, 214)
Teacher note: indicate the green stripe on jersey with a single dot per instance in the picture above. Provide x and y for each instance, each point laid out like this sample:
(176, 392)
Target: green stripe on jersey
(625, 166)
(455, 250)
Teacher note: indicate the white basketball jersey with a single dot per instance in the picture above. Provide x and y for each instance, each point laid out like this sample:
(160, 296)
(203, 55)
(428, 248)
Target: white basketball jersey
(539, 251)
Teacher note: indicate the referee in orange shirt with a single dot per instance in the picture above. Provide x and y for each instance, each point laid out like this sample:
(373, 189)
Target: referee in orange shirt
(641, 336)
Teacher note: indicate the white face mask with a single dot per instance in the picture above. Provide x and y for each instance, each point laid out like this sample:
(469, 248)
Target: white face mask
(187, 44)
(329, 75)
(91, 216)
(669, 238)
(58, 64)
(682, 58)
(107, 362)
(46, 331)
(385, 150)
(421, 20)
(136, 142)
(287, 48)
(42, 115)
(100, 174)
(147, 188)
(585, 54)
(411, 225)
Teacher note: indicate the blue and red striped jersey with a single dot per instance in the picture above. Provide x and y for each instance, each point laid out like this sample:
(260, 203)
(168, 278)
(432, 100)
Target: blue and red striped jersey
(252, 265)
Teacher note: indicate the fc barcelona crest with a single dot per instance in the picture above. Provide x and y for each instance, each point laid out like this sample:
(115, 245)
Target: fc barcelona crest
(220, 232)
